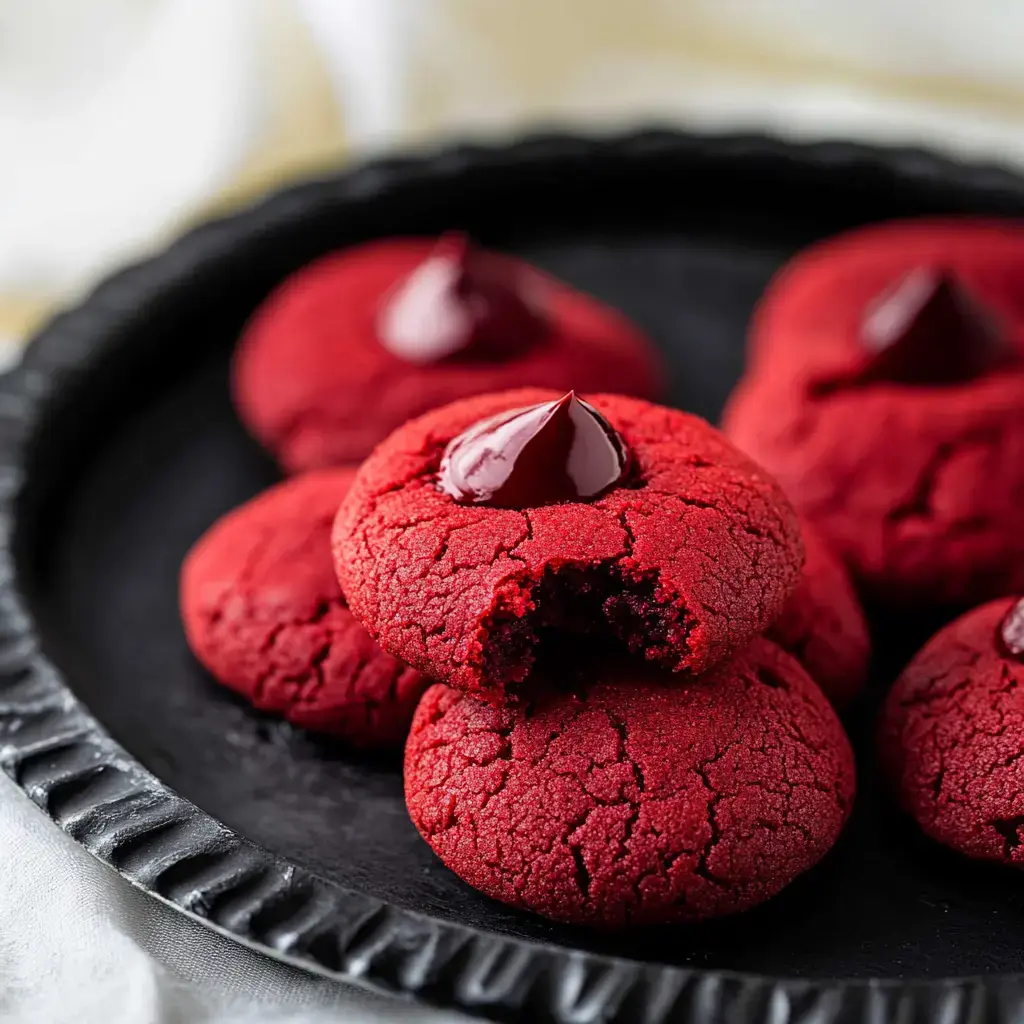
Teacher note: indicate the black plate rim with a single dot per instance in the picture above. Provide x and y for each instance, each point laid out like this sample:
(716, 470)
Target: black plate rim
(63, 759)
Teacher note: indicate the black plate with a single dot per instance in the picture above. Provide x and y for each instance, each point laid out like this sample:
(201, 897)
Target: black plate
(118, 448)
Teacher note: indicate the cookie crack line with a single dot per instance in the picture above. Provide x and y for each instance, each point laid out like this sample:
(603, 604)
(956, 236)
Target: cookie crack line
(583, 878)
(620, 727)
(702, 868)
(920, 502)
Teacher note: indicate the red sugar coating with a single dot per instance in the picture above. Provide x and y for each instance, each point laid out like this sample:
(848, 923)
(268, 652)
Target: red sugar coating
(313, 383)
(823, 625)
(918, 488)
(952, 738)
(686, 561)
(643, 800)
(264, 614)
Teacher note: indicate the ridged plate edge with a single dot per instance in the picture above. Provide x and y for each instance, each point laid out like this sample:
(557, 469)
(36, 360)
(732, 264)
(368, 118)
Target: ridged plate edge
(62, 758)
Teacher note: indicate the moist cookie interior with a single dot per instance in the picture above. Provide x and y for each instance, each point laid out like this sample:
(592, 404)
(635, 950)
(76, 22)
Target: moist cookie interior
(566, 609)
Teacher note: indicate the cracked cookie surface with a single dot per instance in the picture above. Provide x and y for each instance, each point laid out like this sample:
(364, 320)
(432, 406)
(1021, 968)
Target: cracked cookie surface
(823, 624)
(917, 487)
(684, 562)
(314, 385)
(635, 800)
(951, 738)
(263, 612)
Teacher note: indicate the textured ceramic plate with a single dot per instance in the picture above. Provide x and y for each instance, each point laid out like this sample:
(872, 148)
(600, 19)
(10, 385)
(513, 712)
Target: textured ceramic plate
(118, 448)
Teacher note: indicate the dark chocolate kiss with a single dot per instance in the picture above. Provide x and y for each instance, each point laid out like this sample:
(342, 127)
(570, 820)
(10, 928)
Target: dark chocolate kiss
(929, 329)
(1011, 631)
(538, 455)
(462, 299)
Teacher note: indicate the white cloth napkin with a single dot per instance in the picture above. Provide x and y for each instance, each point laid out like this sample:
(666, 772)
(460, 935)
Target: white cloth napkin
(116, 118)
(80, 945)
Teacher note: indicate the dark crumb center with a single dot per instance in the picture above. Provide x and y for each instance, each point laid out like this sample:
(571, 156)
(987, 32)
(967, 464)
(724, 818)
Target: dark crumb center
(571, 610)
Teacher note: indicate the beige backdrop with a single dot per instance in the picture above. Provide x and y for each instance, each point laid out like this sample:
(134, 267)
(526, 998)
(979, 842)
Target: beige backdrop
(246, 93)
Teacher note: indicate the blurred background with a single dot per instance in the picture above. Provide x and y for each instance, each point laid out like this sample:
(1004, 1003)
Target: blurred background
(123, 121)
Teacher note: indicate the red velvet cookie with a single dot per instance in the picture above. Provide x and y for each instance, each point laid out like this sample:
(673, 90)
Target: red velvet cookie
(353, 345)
(264, 614)
(886, 393)
(952, 734)
(686, 557)
(823, 625)
(637, 799)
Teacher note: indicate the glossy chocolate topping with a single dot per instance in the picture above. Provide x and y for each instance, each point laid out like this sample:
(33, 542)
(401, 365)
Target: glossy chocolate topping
(929, 329)
(1011, 631)
(462, 300)
(539, 455)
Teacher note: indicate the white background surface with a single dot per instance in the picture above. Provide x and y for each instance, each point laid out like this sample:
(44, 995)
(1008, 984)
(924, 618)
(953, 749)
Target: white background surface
(117, 117)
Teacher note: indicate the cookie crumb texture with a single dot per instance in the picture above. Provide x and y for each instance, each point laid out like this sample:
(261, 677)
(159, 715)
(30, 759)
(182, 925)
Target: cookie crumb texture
(823, 624)
(638, 802)
(685, 564)
(952, 738)
(264, 614)
(315, 386)
(917, 487)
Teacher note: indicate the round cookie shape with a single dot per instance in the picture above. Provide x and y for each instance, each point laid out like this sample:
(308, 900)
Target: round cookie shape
(685, 560)
(635, 799)
(313, 382)
(264, 614)
(823, 624)
(951, 737)
(916, 486)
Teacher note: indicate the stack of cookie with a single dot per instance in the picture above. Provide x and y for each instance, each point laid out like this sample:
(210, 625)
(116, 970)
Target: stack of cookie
(612, 739)
(612, 649)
